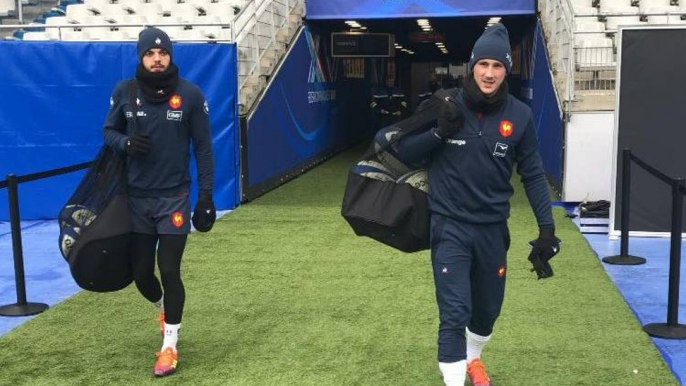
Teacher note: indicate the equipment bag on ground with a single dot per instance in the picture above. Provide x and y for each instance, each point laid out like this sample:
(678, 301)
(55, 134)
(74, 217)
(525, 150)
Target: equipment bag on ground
(386, 199)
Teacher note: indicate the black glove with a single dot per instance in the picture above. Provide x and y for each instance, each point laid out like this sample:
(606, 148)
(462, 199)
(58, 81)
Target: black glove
(204, 213)
(137, 145)
(450, 119)
(542, 250)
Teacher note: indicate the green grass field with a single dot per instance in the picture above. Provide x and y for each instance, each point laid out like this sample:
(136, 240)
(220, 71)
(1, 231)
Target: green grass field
(282, 292)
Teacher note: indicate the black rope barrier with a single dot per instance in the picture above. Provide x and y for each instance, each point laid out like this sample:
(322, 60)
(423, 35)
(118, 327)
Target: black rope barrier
(22, 307)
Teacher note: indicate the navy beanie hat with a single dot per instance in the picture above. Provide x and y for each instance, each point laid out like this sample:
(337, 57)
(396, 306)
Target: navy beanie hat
(150, 38)
(494, 43)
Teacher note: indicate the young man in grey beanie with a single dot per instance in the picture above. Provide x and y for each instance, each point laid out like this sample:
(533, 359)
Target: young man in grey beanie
(471, 154)
(171, 113)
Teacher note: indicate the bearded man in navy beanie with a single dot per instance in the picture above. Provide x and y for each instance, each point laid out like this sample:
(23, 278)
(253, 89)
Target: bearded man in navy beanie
(153, 119)
(472, 151)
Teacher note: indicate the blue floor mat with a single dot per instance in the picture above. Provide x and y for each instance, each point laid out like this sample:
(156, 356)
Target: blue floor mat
(46, 273)
(645, 289)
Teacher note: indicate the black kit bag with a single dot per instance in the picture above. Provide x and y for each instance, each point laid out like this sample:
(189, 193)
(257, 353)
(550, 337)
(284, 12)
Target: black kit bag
(386, 199)
(95, 224)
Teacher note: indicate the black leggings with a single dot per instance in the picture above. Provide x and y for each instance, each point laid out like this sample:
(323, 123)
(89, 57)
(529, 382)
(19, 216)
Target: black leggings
(169, 255)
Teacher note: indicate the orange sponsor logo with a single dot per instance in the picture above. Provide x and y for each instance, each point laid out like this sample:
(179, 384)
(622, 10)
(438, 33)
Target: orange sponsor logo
(506, 128)
(177, 219)
(175, 101)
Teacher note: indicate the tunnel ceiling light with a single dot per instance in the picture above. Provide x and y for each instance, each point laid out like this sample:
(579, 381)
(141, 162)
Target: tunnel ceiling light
(423, 21)
(493, 20)
(440, 44)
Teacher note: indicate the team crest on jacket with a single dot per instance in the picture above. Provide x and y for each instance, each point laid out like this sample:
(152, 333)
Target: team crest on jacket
(175, 101)
(177, 219)
(506, 128)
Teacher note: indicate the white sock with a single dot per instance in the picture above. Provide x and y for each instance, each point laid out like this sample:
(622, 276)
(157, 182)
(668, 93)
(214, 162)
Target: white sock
(475, 344)
(171, 335)
(454, 374)
(160, 303)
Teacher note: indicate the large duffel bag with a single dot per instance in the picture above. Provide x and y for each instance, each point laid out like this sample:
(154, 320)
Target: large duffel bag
(386, 199)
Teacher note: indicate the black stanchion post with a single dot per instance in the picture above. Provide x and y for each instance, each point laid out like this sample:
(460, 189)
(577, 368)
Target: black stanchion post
(624, 258)
(672, 329)
(21, 307)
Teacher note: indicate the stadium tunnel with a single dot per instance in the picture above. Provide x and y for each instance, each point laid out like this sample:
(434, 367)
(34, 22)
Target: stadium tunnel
(418, 52)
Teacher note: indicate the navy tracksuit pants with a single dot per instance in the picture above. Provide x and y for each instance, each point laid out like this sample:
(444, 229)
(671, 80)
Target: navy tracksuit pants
(469, 266)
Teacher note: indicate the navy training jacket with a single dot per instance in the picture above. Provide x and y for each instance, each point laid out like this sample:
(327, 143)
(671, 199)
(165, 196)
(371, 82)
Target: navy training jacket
(171, 126)
(469, 173)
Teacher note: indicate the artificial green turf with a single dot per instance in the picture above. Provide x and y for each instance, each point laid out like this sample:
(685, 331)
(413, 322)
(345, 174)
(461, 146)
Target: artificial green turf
(281, 292)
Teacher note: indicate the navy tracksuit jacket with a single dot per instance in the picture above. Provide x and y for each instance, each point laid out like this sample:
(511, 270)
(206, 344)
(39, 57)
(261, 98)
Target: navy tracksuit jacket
(171, 125)
(469, 178)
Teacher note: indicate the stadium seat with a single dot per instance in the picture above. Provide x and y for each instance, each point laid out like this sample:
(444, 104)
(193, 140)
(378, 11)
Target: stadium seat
(111, 11)
(215, 32)
(617, 7)
(97, 33)
(167, 5)
(190, 35)
(645, 6)
(662, 19)
(131, 33)
(57, 20)
(611, 23)
(172, 30)
(585, 29)
(149, 10)
(74, 35)
(223, 12)
(97, 2)
(187, 12)
(37, 36)
(78, 11)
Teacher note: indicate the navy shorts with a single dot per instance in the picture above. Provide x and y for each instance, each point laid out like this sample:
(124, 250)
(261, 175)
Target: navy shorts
(161, 215)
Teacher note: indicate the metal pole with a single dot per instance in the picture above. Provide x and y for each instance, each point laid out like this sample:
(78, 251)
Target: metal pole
(626, 197)
(675, 253)
(20, 10)
(21, 308)
(13, 197)
(624, 258)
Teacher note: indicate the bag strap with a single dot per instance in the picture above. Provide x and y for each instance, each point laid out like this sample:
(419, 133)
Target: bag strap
(133, 91)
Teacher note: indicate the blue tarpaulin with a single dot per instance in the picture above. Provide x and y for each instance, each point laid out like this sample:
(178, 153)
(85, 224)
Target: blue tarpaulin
(54, 97)
(375, 9)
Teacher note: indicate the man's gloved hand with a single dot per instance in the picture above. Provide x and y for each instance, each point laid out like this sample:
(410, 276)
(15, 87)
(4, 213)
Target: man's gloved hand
(204, 213)
(542, 250)
(137, 145)
(450, 119)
